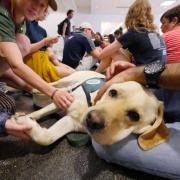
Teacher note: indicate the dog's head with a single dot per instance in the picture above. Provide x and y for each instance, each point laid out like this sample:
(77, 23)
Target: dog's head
(127, 108)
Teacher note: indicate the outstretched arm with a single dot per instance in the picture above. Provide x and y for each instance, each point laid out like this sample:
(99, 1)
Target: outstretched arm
(124, 71)
(44, 42)
(12, 54)
(110, 49)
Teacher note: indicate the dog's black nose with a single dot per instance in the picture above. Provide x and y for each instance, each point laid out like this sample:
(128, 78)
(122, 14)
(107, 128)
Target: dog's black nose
(95, 120)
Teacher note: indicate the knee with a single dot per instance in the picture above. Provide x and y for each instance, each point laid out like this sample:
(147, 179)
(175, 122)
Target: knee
(24, 44)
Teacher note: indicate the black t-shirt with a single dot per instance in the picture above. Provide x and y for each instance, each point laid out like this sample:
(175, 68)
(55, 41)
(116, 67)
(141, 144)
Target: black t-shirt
(68, 29)
(145, 46)
(75, 48)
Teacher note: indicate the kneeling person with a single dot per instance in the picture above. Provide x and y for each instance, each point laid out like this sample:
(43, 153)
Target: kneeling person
(77, 46)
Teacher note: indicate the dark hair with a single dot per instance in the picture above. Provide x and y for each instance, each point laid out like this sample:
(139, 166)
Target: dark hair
(111, 38)
(97, 43)
(98, 33)
(70, 11)
(171, 13)
(81, 29)
(118, 32)
(121, 29)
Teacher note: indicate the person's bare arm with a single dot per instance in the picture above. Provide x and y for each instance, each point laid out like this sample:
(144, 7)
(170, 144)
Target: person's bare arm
(96, 52)
(44, 42)
(124, 71)
(170, 77)
(104, 63)
(14, 59)
(12, 54)
(119, 55)
(110, 49)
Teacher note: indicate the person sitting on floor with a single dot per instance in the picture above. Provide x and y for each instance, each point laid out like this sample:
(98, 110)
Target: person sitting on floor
(12, 69)
(44, 62)
(77, 45)
(141, 38)
(99, 40)
(171, 28)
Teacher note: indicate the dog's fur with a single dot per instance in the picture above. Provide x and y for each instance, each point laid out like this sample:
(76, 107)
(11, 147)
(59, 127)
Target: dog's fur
(125, 108)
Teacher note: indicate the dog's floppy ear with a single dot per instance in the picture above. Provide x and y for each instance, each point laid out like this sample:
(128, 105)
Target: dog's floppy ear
(156, 134)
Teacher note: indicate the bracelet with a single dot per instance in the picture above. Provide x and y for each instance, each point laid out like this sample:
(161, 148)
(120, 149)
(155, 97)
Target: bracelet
(54, 92)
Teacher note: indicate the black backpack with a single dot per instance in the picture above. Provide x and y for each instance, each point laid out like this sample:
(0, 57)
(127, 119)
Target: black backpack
(60, 28)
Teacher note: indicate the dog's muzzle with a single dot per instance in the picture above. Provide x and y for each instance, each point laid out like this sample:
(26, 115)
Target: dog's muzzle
(94, 120)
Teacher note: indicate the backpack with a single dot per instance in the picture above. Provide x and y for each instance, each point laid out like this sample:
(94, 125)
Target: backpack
(60, 28)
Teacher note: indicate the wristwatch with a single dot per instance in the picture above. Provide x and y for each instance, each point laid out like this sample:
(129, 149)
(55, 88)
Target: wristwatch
(152, 72)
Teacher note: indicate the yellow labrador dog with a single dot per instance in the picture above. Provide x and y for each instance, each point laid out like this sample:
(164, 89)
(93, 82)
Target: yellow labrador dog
(125, 108)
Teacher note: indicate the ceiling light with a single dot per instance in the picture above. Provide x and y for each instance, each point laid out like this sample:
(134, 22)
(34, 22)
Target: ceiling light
(168, 3)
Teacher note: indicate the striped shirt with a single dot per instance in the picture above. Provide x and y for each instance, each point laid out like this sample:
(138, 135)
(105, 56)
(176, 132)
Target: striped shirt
(172, 41)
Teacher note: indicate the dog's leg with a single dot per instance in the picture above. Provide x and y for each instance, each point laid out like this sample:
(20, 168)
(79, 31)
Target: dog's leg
(44, 136)
(49, 109)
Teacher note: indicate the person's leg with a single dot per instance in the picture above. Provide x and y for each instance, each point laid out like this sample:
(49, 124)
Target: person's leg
(24, 44)
(14, 81)
(163, 160)
(7, 75)
(64, 70)
(86, 63)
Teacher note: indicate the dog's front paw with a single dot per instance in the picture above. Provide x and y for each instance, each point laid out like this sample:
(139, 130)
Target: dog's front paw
(18, 114)
(22, 118)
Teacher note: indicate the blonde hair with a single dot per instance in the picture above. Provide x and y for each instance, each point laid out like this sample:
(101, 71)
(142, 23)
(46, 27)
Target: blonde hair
(140, 17)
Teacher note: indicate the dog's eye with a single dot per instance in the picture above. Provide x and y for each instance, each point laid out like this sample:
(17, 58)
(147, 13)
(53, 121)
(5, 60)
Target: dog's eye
(133, 115)
(113, 93)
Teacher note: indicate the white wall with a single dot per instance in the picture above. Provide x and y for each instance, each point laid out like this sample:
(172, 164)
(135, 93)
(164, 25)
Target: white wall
(54, 18)
(97, 19)
(51, 22)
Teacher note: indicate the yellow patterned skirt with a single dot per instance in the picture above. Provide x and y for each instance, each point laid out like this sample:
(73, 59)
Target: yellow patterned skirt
(40, 63)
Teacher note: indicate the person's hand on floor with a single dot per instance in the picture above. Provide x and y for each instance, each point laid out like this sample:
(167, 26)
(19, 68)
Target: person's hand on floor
(18, 130)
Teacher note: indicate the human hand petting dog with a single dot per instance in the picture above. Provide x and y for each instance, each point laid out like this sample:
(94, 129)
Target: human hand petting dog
(119, 72)
(62, 99)
(18, 130)
(117, 67)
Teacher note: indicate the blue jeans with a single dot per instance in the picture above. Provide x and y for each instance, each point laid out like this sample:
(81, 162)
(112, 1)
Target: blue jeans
(163, 160)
